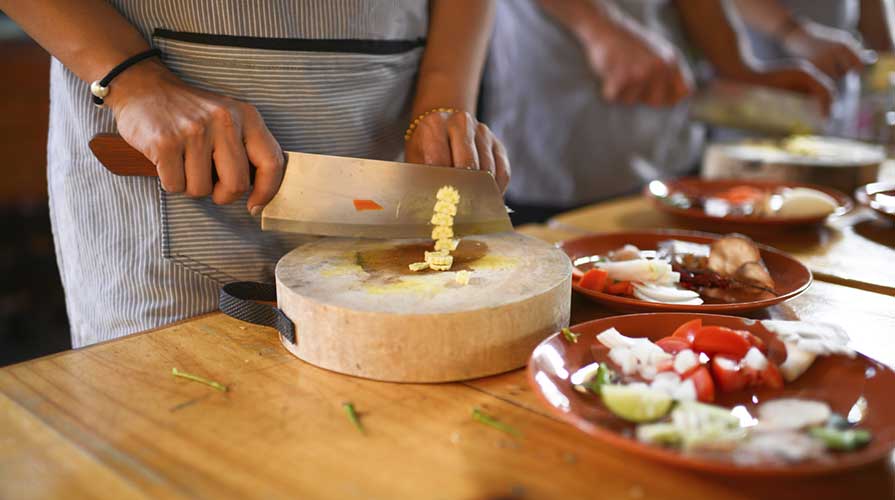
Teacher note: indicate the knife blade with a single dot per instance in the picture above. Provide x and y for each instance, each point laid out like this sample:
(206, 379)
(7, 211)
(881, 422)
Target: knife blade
(318, 194)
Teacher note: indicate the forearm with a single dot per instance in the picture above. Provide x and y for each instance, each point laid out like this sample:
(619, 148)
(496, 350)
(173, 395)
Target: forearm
(768, 17)
(591, 21)
(877, 24)
(90, 37)
(718, 34)
(457, 42)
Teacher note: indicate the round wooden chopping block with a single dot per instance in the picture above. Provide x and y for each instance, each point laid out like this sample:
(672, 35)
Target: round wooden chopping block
(359, 310)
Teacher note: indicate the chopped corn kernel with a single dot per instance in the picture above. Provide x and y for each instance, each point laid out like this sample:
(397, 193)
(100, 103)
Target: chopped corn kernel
(442, 220)
(442, 232)
(419, 266)
(439, 259)
(449, 194)
(462, 277)
(446, 208)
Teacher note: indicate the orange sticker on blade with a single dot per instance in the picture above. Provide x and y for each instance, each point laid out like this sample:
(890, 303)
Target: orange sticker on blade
(361, 205)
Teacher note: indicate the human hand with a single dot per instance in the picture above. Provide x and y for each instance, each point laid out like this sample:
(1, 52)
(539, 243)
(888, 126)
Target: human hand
(181, 129)
(802, 79)
(457, 139)
(833, 51)
(636, 65)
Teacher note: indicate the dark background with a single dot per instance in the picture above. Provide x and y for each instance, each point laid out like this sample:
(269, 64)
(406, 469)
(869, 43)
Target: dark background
(32, 306)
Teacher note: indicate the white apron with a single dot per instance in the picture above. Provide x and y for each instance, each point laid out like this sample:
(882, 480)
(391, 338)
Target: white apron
(328, 76)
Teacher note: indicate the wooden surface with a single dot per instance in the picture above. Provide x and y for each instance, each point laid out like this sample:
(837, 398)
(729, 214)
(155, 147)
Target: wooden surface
(109, 421)
(359, 310)
(857, 249)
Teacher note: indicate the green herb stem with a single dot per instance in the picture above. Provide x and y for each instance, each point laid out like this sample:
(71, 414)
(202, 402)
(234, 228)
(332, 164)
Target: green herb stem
(570, 335)
(195, 378)
(490, 421)
(352, 415)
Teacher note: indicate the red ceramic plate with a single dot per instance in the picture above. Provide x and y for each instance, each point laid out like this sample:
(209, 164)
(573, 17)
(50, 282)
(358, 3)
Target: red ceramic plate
(837, 380)
(791, 276)
(663, 195)
(880, 196)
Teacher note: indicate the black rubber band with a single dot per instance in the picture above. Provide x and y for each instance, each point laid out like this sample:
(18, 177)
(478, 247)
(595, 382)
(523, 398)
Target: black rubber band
(238, 300)
(117, 70)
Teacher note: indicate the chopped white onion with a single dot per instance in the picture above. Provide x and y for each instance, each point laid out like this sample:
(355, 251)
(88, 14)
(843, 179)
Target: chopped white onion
(791, 414)
(755, 359)
(611, 338)
(818, 338)
(685, 360)
(797, 362)
(686, 391)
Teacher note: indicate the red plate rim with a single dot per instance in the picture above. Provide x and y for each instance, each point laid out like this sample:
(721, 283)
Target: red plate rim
(704, 308)
(845, 203)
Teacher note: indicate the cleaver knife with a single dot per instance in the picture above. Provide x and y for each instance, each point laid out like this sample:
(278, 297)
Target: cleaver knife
(352, 197)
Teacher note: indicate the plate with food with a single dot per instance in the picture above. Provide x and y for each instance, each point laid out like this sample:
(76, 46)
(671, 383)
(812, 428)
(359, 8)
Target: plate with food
(879, 196)
(722, 394)
(808, 150)
(748, 202)
(683, 271)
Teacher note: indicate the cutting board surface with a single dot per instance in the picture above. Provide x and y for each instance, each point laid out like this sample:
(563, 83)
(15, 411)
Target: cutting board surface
(373, 275)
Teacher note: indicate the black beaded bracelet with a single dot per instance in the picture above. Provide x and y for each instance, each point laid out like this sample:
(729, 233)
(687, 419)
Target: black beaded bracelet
(100, 88)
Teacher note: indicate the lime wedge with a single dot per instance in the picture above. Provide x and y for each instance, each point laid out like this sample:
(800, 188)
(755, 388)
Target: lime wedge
(636, 403)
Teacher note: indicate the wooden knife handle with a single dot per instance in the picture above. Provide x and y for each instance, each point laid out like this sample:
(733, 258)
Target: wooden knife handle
(119, 157)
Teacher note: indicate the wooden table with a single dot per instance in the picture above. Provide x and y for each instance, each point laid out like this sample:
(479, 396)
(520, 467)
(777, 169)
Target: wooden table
(109, 421)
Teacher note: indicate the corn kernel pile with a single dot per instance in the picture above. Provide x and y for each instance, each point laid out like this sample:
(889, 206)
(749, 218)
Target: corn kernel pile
(442, 232)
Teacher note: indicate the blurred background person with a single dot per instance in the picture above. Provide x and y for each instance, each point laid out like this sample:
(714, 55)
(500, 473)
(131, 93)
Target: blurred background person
(590, 96)
(829, 34)
(587, 98)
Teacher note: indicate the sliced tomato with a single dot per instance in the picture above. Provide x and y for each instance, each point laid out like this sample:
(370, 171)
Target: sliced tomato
(758, 343)
(770, 377)
(621, 288)
(720, 340)
(673, 345)
(705, 387)
(594, 279)
(753, 340)
(729, 375)
(741, 194)
(688, 329)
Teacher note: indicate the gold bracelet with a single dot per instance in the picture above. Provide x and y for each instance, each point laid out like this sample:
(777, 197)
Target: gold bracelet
(416, 121)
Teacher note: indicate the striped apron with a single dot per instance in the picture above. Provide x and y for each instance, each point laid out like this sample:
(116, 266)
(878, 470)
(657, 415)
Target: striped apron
(328, 76)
